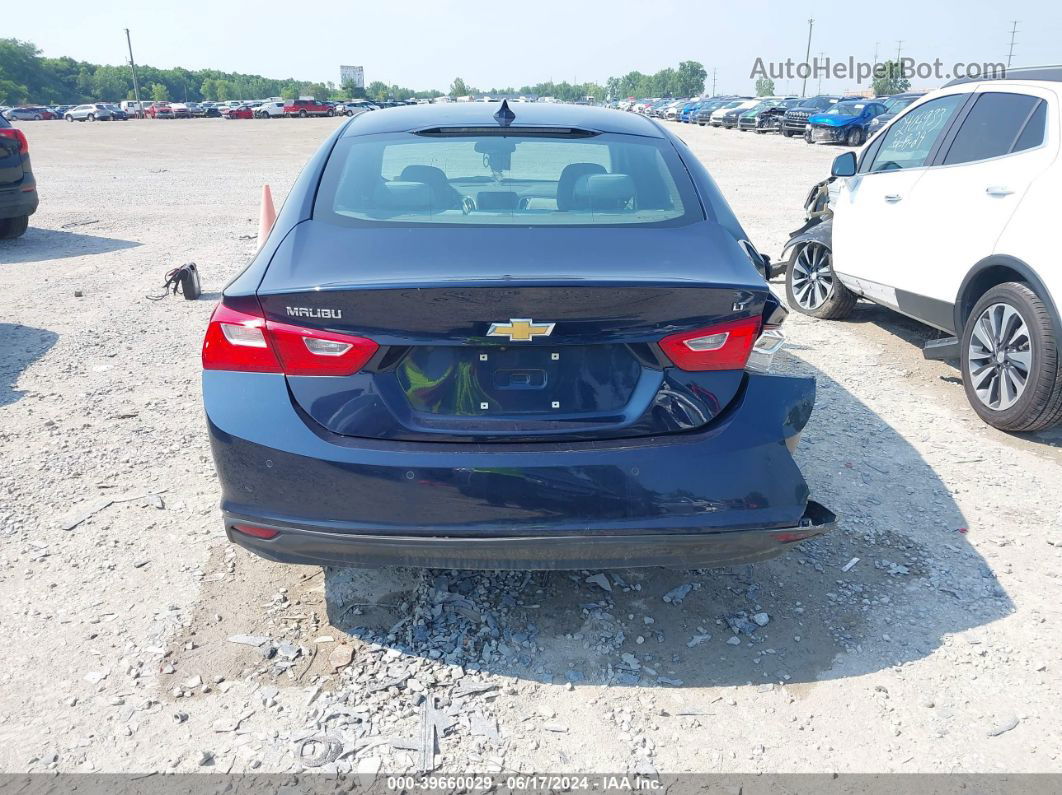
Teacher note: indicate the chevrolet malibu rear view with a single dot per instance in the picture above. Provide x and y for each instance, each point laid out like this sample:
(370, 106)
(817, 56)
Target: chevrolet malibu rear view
(477, 339)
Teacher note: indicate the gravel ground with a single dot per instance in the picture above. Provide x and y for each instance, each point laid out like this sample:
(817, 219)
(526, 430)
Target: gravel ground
(134, 638)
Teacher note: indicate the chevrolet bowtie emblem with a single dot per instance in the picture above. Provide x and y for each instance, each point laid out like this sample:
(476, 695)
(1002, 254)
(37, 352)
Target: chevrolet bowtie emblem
(520, 329)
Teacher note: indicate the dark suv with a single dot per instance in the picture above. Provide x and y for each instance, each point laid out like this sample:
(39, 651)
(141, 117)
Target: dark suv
(18, 189)
(795, 119)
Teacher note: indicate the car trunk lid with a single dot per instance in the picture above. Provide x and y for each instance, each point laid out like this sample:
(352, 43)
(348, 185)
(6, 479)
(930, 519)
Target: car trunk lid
(502, 335)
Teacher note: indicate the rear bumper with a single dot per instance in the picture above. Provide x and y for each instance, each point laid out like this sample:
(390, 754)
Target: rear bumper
(687, 550)
(729, 494)
(18, 202)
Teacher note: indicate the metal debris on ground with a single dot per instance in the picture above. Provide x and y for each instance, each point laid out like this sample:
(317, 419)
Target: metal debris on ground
(319, 749)
(426, 762)
(250, 640)
(83, 511)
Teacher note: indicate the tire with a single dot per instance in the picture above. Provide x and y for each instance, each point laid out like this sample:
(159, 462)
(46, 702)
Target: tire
(91, 117)
(786, 133)
(812, 287)
(69, 118)
(807, 135)
(854, 137)
(37, 117)
(330, 113)
(1022, 390)
(10, 228)
(302, 114)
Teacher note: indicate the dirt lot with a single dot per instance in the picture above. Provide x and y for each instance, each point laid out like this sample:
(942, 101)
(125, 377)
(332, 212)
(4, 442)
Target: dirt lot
(937, 651)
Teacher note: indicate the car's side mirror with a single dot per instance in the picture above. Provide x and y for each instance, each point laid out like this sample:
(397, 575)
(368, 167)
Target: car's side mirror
(844, 165)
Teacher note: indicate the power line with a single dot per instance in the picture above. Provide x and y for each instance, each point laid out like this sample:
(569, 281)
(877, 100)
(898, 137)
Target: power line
(1013, 31)
(807, 59)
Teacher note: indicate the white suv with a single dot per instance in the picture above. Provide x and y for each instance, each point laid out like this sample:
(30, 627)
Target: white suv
(948, 216)
(269, 110)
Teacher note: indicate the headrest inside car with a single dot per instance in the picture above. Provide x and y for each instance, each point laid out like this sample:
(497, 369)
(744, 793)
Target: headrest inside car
(604, 191)
(398, 197)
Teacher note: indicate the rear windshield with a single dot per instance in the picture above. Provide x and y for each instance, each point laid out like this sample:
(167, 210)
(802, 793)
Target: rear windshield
(506, 180)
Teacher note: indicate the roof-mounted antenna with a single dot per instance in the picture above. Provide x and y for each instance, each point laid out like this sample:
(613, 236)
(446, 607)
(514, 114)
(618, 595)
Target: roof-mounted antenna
(504, 116)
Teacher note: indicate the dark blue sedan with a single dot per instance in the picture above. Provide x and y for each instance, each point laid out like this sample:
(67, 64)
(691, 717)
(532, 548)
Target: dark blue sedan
(478, 340)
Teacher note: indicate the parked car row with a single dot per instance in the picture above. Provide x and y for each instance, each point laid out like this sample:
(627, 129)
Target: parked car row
(28, 113)
(825, 118)
(232, 109)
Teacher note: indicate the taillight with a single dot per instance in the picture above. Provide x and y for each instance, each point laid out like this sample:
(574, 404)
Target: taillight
(307, 351)
(18, 135)
(249, 343)
(237, 341)
(725, 346)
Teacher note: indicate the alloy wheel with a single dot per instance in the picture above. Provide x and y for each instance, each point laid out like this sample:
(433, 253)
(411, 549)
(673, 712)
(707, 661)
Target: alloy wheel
(812, 276)
(1000, 357)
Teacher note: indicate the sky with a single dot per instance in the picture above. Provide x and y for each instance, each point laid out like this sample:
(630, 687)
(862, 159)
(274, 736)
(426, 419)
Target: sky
(422, 44)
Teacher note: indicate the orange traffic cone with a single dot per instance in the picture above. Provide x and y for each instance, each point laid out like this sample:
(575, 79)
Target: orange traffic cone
(267, 217)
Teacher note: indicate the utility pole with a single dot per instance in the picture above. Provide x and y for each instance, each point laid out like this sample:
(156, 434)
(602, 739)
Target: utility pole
(875, 62)
(807, 58)
(821, 56)
(136, 85)
(899, 49)
(1013, 31)
(715, 71)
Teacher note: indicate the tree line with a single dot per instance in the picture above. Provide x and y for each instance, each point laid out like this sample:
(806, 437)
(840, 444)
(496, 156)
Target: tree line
(685, 81)
(28, 76)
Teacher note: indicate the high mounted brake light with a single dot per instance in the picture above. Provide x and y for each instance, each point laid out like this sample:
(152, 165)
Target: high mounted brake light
(249, 343)
(725, 346)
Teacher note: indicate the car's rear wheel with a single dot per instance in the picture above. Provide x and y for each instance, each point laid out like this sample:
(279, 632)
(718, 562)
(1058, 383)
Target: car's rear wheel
(10, 228)
(91, 117)
(302, 114)
(331, 113)
(812, 287)
(854, 137)
(1010, 363)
